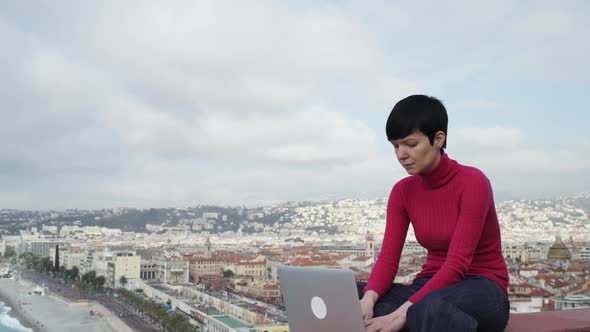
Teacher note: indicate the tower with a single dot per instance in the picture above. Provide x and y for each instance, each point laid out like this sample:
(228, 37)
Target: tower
(559, 253)
(369, 245)
(208, 245)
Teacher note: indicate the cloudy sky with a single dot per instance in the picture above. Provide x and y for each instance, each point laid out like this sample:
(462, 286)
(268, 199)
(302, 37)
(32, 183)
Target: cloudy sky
(174, 103)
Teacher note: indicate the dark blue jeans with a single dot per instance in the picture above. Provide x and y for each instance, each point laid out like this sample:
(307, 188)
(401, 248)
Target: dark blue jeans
(474, 304)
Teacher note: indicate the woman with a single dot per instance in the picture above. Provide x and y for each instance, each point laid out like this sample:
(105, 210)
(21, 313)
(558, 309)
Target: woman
(463, 284)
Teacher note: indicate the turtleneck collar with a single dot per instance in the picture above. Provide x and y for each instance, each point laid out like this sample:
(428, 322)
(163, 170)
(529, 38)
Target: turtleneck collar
(442, 173)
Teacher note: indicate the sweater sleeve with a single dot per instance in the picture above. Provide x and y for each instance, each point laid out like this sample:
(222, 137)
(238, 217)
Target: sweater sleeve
(396, 228)
(475, 203)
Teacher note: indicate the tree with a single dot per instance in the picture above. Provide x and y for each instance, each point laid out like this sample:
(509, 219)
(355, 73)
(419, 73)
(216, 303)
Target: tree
(44, 265)
(123, 281)
(83, 287)
(100, 281)
(72, 273)
(27, 259)
(89, 277)
(56, 266)
(9, 252)
(228, 273)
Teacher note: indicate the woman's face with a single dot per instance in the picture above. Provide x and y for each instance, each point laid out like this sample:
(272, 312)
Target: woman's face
(415, 153)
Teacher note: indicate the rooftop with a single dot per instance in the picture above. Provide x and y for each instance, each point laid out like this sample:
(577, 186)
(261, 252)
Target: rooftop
(574, 320)
(231, 322)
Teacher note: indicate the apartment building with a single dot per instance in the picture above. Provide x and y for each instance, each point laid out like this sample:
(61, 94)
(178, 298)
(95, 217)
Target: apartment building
(203, 266)
(39, 248)
(122, 264)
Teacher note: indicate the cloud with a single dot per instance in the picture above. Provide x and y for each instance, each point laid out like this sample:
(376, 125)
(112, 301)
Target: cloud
(494, 138)
(512, 150)
(521, 165)
(305, 136)
(390, 90)
(153, 103)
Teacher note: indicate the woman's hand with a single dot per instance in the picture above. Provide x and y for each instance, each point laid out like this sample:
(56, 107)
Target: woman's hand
(367, 303)
(389, 323)
(393, 322)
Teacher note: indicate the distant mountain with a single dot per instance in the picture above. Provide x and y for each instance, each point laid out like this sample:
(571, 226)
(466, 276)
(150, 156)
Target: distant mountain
(326, 216)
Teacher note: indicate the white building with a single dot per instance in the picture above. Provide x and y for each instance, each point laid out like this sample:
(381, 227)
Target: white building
(122, 264)
(69, 257)
(173, 270)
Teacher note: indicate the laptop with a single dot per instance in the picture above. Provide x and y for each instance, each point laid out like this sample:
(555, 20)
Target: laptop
(320, 299)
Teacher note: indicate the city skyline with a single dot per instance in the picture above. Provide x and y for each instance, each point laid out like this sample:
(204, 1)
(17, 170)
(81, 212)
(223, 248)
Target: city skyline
(174, 104)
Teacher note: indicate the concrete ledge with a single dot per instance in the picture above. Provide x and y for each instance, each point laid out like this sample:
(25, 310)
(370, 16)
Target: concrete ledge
(574, 320)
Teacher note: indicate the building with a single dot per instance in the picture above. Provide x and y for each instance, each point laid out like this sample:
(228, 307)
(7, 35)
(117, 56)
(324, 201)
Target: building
(585, 253)
(271, 268)
(204, 267)
(369, 245)
(122, 264)
(559, 251)
(39, 248)
(413, 248)
(149, 270)
(253, 269)
(523, 252)
(572, 302)
(2, 246)
(69, 257)
(264, 291)
(370, 248)
(90, 262)
(517, 252)
(173, 270)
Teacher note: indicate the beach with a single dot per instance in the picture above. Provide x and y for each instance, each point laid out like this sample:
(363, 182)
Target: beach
(51, 313)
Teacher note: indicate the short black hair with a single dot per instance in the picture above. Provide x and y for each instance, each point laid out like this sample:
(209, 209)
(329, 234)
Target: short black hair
(417, 113)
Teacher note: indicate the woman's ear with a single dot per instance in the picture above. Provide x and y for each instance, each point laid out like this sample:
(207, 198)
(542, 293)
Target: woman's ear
(439, 139)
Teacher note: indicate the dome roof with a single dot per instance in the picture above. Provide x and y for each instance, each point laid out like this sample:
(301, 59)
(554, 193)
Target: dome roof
(558, 250)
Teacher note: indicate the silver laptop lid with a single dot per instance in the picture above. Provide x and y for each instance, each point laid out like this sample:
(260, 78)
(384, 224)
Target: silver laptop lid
(320, 299)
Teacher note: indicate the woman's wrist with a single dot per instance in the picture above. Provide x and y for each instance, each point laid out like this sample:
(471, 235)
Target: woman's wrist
(403, 309)
(371, 295)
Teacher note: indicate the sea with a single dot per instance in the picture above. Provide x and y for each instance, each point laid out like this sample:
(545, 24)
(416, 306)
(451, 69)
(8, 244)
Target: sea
(8, 323)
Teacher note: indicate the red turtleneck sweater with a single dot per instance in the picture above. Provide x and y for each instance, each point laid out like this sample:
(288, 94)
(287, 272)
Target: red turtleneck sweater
(453, 215)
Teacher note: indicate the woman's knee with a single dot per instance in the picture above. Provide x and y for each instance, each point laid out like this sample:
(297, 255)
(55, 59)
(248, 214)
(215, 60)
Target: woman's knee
(426, 308)
(434, 313)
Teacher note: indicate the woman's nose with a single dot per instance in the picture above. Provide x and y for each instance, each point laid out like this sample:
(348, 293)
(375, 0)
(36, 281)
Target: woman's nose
(401, 153)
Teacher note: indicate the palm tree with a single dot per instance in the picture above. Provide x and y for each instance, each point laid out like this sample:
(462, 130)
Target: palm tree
(123, 281)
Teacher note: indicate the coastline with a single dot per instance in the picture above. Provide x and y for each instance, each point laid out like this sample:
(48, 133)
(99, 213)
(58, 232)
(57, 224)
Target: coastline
(51, 313)
(16, 312)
